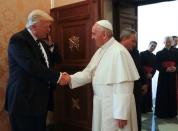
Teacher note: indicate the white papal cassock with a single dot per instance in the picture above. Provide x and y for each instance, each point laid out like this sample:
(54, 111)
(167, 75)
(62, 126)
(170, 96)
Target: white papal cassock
(112, 73)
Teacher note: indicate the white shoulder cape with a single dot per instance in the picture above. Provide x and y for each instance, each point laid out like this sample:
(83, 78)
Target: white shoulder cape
(116, 66)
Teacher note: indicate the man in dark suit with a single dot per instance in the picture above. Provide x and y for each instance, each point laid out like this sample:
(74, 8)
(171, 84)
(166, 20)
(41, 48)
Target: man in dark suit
(30, 75)
(128, 39)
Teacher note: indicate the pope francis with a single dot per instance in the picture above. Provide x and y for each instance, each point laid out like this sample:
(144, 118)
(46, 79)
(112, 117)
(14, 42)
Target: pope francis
(112, 73)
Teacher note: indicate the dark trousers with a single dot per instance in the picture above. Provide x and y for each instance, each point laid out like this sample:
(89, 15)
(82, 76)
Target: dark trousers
(137, 94)
(28, 123)
(139, 122)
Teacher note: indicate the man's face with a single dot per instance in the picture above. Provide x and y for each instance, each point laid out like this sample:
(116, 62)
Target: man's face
(176, 41)
(168, 43)
(97, 35)
(42, 29)
(152, 47)
(131, 41)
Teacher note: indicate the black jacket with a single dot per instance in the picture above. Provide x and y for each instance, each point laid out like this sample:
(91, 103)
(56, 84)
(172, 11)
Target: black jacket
(29, 77)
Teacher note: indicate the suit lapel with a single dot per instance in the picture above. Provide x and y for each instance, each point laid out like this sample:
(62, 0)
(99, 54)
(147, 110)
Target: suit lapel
(29, 38)
(34, 45)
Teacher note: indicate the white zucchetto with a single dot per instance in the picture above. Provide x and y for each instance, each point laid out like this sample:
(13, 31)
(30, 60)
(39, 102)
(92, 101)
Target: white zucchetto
(106, 24)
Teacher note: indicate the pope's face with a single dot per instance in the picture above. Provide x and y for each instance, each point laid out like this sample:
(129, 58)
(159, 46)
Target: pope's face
(98, 35)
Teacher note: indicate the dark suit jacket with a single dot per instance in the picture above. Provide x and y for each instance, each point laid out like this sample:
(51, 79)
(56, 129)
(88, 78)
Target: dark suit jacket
(29, 77)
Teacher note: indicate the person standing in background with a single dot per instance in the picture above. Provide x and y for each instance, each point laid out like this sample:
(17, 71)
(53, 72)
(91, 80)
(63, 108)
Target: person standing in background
(175, 39)
(30, 75)
(166, 64)
(128, 39)
(148, 63)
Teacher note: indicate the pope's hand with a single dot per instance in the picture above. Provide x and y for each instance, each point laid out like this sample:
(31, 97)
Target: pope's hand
(121, 123)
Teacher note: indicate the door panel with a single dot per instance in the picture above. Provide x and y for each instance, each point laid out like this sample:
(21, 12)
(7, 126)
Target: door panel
(124, 15)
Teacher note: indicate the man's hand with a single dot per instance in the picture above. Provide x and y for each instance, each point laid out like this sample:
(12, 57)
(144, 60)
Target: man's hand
(121, 123)
(149, 76)
(50, 42)
(171, 69)
(65, 79)
(144, 89)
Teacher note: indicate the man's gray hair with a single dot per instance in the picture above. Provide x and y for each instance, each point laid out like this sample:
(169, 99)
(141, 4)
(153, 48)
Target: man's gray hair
(35, 16)
(168, 39)
(125, 33)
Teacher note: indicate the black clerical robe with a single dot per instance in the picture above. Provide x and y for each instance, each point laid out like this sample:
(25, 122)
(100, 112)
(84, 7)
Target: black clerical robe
(138, 84)
(166, 87)
(148, 63)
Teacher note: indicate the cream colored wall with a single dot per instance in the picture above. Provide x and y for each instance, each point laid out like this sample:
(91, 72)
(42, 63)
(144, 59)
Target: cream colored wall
(108, 10)
(58, 3)
(13, 18)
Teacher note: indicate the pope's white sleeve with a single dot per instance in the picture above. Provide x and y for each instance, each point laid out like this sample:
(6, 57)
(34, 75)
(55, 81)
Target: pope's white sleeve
(80, 78)
(122, 95)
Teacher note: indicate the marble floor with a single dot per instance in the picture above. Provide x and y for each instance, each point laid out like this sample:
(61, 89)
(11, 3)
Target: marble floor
(152, 123)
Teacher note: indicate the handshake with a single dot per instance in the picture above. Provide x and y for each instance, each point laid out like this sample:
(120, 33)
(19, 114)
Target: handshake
(65, 79)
